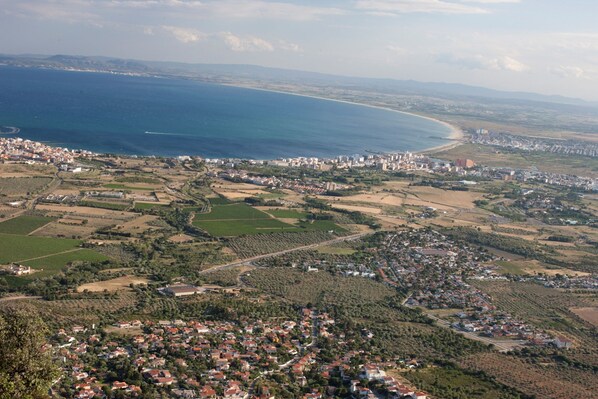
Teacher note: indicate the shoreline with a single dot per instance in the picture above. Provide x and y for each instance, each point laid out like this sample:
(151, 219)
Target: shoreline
(456, 133)
(454, 136)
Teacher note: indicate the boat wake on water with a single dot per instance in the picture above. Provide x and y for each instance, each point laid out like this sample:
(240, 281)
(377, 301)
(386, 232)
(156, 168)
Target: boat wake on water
(165, 133)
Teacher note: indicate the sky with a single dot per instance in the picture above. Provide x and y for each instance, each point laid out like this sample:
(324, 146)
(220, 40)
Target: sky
(542, 46)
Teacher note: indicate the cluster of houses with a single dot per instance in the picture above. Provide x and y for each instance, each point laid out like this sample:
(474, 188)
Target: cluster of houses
(507, 140)
(16, 149)
(392, 387)
(523, 175)
(213, 359)
(297, 185)
(434, 268)
(552, 209)
(380, 161)
(17, 270)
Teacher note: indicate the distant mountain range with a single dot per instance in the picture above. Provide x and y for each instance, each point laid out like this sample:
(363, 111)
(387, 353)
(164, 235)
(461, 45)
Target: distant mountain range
(229, 73)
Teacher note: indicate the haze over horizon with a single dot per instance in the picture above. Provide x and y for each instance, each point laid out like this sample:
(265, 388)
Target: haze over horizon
(548, 46)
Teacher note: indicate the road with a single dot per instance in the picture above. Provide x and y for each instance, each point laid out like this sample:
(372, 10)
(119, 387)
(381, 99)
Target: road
(286, 251)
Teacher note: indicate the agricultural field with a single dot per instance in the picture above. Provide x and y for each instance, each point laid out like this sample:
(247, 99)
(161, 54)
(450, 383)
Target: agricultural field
(14, 248)
(541, 378)
(241, 219)
(50, 265)
(544, 307)
(283, 213)
(589, 314)
(23, 225)
(141, 206)
(115, 284)
(218, 228)
(45, 254)
(83, 309)
(451, 382)
(116, 186)
(232, 212)
(260, 244)
(237, 191)
(335, 250)
(115, 206)
(22, 186)
(551, 310)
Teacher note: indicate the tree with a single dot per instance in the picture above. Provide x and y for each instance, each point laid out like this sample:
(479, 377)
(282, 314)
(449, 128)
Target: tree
(27, 369)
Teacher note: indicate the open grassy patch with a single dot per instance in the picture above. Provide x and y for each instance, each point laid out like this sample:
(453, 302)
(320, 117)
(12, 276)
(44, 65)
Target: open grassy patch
(23, 225)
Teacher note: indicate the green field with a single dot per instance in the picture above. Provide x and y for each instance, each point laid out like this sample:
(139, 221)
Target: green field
(219, 201)
(238, 219)
(287, 213)
(105, 205)
(510, 268)
(321, 225)
(232, 212)
(23, 225)
(332, 250)
(116, 186)
(226, 228)
(146, 205)
(138, 179)
(53, 264)
(15, 248)
(450, 382)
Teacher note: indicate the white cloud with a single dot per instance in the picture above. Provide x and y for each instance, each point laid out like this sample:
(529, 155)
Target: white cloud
(232, 8)
(396, 7)
(288, 46)
(502, 63)
(395, 49)
(185, 35)
(245, 44)
(509, 64)
(570, 71)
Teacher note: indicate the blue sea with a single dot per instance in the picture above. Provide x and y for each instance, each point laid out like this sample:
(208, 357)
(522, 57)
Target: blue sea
(168, 117)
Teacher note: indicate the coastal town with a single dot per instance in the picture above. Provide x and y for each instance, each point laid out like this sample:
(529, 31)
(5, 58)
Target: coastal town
(21, 150)
(440, 236)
